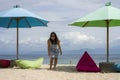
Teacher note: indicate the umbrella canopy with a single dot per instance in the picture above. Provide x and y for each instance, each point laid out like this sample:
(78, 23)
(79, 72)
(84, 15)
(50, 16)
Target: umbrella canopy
(20, 18)
(106, 16)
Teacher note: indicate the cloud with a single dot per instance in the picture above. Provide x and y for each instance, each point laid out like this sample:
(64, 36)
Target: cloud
(115, 42)
(76, 40)
(77, 36)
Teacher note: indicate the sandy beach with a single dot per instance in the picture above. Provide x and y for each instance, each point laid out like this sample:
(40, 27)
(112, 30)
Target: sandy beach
(63, 72)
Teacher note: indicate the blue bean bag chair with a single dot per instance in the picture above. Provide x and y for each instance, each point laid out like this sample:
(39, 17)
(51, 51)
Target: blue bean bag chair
(116, 67)
(30, 64)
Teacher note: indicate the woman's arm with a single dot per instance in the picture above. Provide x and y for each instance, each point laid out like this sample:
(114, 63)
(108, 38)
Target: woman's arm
(60, 47)
(48, 43)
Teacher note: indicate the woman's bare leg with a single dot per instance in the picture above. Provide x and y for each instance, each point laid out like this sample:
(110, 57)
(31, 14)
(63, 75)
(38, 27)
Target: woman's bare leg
(51, 62)
(55, 62)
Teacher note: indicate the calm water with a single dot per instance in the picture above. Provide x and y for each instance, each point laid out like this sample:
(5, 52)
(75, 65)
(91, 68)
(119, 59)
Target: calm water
(66, 58)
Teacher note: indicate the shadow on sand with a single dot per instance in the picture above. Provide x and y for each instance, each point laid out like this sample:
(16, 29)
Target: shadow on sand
(66, 68)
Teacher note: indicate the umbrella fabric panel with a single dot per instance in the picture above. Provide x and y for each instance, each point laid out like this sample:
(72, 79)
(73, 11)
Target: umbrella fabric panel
(36, 21)
(97, 23)
(24, 22)
(90, 24)
(17, 12)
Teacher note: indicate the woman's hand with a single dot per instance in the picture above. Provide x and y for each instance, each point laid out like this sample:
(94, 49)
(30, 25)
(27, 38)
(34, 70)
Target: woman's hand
(49, 54)
(60, 53)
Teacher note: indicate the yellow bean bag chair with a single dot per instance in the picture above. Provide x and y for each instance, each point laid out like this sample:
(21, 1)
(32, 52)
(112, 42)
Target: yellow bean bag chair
(30, 64)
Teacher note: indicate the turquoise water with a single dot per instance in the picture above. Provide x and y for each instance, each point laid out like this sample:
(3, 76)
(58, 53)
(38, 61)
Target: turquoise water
(66, 58)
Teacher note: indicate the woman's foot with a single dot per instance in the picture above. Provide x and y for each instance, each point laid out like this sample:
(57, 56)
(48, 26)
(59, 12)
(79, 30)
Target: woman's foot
(54, 68)
(50, 68)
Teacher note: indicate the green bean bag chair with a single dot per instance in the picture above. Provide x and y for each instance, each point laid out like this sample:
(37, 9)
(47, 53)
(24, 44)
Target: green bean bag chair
(30, 64)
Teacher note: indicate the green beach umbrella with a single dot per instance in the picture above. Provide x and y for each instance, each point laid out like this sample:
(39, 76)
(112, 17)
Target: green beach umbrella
(106, 16)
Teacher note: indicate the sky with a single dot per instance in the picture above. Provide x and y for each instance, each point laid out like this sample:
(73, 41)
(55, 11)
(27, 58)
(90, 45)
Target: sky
(60, 13)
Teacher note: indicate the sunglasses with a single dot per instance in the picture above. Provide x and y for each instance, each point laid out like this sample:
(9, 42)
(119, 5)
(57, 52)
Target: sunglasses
(52, 36)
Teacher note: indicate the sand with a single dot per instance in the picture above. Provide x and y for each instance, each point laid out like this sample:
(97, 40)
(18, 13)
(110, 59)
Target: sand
(63, 72)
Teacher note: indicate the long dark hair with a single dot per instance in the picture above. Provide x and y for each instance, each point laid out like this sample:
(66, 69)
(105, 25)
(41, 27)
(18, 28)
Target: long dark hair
(55, 40)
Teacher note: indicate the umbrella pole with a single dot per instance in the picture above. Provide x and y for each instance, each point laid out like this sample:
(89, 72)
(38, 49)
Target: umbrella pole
(107, 40)
(17, 46)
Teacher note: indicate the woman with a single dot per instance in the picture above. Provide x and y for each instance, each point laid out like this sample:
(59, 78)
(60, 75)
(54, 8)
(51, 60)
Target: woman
(54, 49)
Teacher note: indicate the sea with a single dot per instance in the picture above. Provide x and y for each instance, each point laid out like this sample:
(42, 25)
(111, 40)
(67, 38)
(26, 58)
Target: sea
(64, 58)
